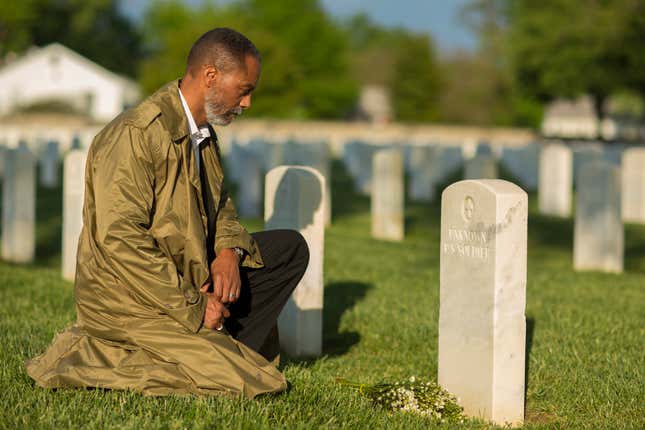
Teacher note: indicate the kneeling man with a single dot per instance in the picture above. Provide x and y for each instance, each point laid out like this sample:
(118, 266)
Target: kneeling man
(172, 294)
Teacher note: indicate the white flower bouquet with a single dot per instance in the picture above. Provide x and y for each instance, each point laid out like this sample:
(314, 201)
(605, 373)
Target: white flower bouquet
(425, 398)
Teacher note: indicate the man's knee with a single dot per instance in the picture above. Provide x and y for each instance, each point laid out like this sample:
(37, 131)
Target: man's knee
(300, 248)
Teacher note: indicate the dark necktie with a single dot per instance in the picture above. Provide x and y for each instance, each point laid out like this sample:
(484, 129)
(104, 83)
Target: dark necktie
(207, 200)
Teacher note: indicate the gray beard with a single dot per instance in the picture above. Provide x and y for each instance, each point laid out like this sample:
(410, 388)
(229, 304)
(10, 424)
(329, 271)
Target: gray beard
(212, 105)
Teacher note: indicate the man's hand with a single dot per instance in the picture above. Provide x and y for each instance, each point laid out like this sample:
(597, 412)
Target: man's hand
(216, 312)
(225, 275)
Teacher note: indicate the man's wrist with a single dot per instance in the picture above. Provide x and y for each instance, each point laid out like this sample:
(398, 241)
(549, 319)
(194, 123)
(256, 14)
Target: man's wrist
(240, 254)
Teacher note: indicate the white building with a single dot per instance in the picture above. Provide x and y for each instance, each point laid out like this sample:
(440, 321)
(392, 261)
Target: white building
(55, 73)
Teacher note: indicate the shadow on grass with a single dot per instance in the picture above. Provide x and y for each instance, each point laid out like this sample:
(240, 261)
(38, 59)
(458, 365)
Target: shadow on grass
(339, 298)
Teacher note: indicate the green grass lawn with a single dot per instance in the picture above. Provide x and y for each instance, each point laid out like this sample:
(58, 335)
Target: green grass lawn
(585, 335)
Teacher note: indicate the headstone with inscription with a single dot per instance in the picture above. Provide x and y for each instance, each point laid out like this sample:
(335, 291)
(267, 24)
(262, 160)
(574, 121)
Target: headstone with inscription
(556, 180)
(598, 239)
(482, 328)
(295, 199)
(388, 195)
(633, 185)
(49, 165)
(19, 206)
(481, 166)
(73, 193)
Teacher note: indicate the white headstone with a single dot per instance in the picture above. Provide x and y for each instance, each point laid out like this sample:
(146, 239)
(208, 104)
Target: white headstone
(295, 199)
(19, 206)
(423, 167)
(316, 155)
(49, 165)
(358, 159)
(522, 162)
(388, 195)
(73, 194)
(249, 196)
(481, 166)
(556, 180)
(598, 239)
(633, 185)
(482, 328)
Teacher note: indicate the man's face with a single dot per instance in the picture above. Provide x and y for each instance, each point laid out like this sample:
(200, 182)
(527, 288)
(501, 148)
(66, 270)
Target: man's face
(231, 93)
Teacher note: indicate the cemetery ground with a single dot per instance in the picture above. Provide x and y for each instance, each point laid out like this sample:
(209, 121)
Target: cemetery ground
(585, 334)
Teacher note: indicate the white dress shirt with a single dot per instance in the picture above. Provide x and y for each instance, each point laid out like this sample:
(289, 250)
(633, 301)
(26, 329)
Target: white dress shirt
(197, 134)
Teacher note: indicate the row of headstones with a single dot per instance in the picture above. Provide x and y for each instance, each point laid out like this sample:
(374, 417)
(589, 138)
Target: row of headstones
(19, 203)
(602, 194)
(248, 164)
(608, 194)
(482, 327)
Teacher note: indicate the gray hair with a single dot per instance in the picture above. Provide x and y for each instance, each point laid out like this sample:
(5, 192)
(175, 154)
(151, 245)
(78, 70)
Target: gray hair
(222, 47)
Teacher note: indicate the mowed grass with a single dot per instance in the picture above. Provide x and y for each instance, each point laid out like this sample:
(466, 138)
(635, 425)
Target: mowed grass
(585, 335)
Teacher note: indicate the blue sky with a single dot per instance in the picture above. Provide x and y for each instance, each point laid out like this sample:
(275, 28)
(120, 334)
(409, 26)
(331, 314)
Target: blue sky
(439, 18)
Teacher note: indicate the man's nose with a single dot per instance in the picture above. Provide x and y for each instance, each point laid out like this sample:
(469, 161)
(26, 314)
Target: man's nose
(245, 103)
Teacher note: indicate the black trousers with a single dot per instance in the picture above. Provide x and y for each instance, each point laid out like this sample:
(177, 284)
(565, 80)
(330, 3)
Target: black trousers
(265, 291)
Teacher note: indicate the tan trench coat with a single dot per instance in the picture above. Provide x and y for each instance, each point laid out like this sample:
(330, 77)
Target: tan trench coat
(141, 259)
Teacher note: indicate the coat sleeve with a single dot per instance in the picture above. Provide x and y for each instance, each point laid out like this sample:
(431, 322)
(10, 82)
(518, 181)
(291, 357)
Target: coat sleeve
(123, 185)
(229, 233)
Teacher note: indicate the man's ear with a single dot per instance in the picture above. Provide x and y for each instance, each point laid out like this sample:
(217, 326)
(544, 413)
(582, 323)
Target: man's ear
(210, 75)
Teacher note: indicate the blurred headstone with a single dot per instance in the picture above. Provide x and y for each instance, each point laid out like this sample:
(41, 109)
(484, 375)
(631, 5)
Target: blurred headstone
(522, 163)
(295, 199)
(388, 195)
(49, 165)
(482, 328)
(481, 167)
(554, 188)
(358, 159)
(73, 196)
(633, 185)
(19, 206)
(249, 196)
(423, 166)
(585, 153)
(598, 239)
(484, 148)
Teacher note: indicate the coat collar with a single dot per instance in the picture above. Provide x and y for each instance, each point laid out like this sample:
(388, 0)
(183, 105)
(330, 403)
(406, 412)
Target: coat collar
(172, 112)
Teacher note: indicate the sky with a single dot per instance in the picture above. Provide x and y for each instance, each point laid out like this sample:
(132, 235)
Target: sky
(439, 18)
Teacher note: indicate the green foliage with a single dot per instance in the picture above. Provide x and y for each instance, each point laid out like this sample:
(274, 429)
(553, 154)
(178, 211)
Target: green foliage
(561, 48)
(415, 82)
(399, 60)
(480, 87)
(93, 28)
(304, 64)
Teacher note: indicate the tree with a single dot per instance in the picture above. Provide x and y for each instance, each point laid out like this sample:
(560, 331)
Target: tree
(93, 28)
(304, 55)
(561, 48)
(480, 86)
(399, 60)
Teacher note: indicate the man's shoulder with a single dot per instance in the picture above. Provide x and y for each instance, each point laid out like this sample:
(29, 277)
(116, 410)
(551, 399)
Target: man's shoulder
(148, 110)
